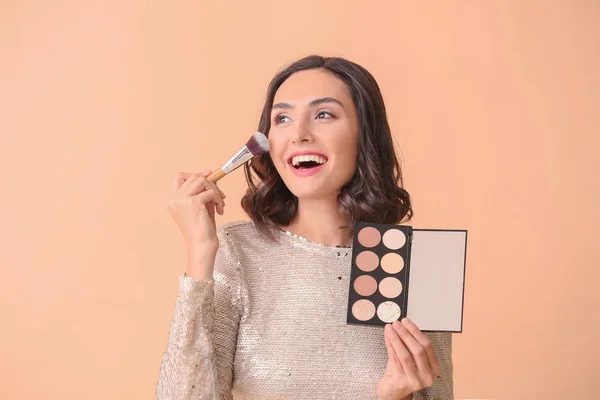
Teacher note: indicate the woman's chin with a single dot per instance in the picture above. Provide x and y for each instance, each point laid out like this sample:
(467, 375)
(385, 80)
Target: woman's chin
(314, 193)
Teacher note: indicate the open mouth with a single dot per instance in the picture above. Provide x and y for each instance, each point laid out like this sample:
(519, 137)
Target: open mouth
(307, 161)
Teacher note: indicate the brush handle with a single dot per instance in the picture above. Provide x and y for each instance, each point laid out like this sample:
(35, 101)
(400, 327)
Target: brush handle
(216, 176)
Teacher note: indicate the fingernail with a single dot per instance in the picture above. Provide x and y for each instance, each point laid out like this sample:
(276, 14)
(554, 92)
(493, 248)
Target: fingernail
(397, 325)
(388, 328)
(405, 321)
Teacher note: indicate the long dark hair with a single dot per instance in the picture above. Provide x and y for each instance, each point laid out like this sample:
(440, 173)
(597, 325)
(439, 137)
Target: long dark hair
(374, 194)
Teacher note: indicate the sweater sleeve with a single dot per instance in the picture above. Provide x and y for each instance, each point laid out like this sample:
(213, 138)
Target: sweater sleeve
(443, 387)
(198, 361)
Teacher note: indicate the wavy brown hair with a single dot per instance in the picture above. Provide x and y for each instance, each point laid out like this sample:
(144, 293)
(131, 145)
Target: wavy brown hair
(374, 194)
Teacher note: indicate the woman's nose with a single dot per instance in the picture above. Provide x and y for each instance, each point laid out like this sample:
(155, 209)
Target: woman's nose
(302, 134)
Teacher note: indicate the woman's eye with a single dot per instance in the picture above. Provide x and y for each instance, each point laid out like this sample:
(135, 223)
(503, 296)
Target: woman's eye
(324, 115)
(281, 119)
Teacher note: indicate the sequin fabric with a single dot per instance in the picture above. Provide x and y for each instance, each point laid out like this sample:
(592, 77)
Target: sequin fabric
(272, 325)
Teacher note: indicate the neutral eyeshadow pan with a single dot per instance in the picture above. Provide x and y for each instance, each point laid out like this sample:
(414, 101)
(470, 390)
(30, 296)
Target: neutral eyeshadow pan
(392, 263)
(394, 239)
(365, 285)
(390, 287)
(367, 261)
(363, 310)
(369, 237)
(388, 311)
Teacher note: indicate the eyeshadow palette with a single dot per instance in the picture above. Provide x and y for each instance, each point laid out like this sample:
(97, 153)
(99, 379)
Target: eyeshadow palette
(398, 272)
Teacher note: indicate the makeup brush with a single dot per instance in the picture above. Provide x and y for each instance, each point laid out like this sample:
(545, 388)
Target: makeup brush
(255, 146)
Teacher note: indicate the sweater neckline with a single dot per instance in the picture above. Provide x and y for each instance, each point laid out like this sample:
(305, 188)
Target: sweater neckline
(314, 244)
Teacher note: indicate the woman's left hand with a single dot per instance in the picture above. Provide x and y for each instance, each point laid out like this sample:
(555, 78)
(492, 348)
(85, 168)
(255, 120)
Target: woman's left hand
(412, 364)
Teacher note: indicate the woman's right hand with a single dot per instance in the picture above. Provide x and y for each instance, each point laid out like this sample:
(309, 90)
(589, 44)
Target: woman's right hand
(193, 203)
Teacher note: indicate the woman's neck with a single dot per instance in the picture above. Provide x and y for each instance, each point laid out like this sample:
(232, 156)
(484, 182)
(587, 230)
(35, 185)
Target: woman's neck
(320, 221)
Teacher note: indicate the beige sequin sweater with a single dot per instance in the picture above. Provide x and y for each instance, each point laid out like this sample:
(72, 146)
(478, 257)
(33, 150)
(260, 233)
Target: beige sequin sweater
(272, 325)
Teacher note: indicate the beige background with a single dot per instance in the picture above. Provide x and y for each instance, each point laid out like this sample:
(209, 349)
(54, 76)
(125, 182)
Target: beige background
(495, 105)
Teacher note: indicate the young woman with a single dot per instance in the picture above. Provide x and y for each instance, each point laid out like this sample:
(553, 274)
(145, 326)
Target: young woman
(261, 310)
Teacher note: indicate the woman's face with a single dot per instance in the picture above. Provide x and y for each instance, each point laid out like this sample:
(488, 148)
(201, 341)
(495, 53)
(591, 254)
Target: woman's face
(314, 134)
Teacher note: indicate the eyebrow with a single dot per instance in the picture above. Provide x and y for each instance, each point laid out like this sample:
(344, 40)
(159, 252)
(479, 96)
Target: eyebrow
(312, 103)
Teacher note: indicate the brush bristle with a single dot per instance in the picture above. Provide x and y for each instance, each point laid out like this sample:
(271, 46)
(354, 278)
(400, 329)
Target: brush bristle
(258, 144)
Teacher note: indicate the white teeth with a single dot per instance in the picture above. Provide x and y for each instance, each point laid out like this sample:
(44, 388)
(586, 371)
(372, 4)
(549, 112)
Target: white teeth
(309, 157)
